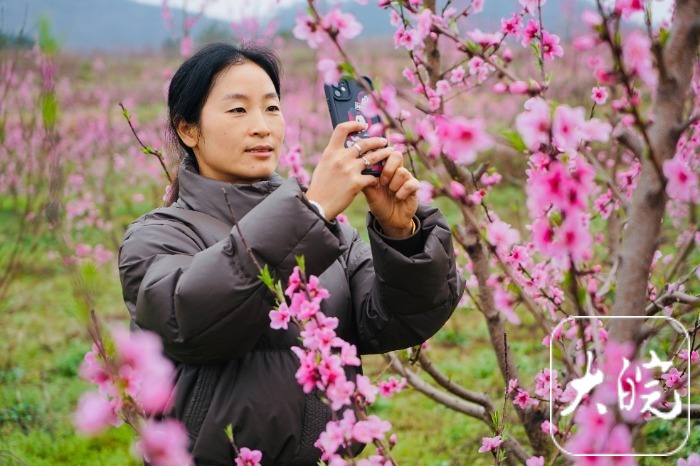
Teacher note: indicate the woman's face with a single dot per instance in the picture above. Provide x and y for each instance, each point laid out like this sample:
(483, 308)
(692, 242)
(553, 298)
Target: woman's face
(241, 129)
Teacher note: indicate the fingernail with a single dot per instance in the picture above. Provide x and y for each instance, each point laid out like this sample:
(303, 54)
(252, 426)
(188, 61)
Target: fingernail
(383, 180)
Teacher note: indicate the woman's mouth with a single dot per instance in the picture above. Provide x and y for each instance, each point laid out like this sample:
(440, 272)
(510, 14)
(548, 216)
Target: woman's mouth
(260, 150)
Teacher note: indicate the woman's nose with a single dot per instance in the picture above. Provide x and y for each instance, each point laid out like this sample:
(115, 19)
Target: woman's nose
(259, 126)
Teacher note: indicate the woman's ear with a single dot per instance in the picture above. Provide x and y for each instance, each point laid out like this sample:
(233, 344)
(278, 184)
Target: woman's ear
(188, 132)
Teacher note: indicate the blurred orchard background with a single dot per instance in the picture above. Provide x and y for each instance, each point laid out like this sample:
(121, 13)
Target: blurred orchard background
(76, 169)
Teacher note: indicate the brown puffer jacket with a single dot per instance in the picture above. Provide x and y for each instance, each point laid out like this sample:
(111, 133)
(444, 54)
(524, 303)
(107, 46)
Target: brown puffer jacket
(187, 276)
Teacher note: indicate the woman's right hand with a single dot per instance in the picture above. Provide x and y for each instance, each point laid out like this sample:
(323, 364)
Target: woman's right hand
(338, 176)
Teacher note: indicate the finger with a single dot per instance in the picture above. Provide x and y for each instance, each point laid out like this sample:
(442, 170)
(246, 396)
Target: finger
(401, 176)
(369, 181)
(377, 156)
(341, 132)
(369, 144)
(392, 164)
(409, 188)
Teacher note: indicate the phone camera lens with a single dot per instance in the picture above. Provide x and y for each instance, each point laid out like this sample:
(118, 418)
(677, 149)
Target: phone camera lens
(336, 93)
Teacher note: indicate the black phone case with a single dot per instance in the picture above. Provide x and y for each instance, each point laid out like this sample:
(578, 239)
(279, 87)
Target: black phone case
(349, 107)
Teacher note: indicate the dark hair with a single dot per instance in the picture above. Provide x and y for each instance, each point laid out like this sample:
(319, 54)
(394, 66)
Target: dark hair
(192, 83)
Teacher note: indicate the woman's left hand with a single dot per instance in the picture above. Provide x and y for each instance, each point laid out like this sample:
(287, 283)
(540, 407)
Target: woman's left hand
(394, 200)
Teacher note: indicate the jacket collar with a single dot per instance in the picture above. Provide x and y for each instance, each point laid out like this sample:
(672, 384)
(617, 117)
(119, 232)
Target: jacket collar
(206, 195)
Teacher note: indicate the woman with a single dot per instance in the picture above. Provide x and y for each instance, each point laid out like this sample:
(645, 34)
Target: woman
(187, 275)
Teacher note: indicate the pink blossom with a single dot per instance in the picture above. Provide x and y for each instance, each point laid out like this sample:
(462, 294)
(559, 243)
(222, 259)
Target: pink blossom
(457, 190)
(462, 138)
(280, 318)
(484, 39)
(388, 388)
(518, 88)
(531, 5)
(344, 24)
(307, 375)
(92, 369)
(407, 38)
(490, 443)
(599, 95)
(693, 460)
(315, 290)
(512, 25)
(522, 399)
(682, 180)
(566, 129)
(694, 356)
(94, 414)
(479, 68)
(550, 46)
(426, 192)
(330, 71)
(591, 18)
(585, 42)
(533, 124)
(673, 379)
(596, 130)
(330, 439)
(366, 389)
(574, 240)
(476, 198)
(620, 442)
(164, 443)
(512, 385)
(186, 46)
(636, 54)
(387, 96)
(308, 31)
(543, 380)
(549, 428)
(348, 355)
(370, 429)
(501, 235)
(499, 88)
(535, 461)
(628, 7)
(442, 87)
(339, 393)
(530, 32)
(248, 457)
(457, 75)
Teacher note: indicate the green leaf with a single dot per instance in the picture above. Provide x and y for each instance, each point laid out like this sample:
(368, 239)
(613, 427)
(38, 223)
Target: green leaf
(473, 46)
(229, 433)
(495, 419)
(514, 139)
(664, 35)
(266, 277)
(126, 113)
(301, 263)
(147, 150)
(347, 68)
(47, 43)
(49, 110)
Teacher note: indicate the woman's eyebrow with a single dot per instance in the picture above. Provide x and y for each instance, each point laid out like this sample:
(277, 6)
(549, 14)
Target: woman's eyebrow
(237, 96)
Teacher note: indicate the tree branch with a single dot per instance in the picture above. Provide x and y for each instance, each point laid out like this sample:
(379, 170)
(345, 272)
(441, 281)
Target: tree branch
(454, 403)
(482, 399)
(649, 198)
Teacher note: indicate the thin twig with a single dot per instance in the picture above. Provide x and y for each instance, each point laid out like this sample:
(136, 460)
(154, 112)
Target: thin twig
(144, 148)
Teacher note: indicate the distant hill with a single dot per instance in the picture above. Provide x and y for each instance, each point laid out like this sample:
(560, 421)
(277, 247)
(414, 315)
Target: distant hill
(126, 26)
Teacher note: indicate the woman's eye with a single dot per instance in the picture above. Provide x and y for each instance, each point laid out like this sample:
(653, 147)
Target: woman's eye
(237, 110)
(273, 108)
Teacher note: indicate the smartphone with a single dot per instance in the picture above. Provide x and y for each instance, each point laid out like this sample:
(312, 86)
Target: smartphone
(345, 102)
